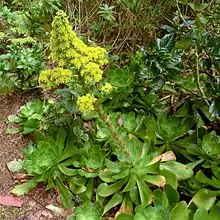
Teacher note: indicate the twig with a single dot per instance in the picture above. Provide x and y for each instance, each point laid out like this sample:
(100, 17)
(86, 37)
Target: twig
(79, 16)
(92, 12)
(164, 98)
(180, 13)
(179, 103)
(44, 207)
(122, 44)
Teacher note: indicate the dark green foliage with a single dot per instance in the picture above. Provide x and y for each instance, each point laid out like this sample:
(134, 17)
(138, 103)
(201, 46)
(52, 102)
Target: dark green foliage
(20, 66)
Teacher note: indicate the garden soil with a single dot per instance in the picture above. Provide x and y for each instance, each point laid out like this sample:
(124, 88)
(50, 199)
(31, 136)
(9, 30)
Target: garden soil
(10, 148)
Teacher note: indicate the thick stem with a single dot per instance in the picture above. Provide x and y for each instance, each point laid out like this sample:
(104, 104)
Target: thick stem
(105, 118)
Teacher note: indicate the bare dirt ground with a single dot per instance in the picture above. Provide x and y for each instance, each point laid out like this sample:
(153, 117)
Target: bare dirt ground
(10, 145)
(10, 149)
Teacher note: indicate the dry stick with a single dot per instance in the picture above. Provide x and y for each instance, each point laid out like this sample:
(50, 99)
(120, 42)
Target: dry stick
(171, 22)
(121, 46)
(129, 11)
(92, 13)
(79, 16)
(68, 6)
(87, 22)
(180, 102)
(122, 39)
(116, 39)
(181, 16)
(114, 133)
(164, 98)
(44, 207)
(119, 32)
(178, 8)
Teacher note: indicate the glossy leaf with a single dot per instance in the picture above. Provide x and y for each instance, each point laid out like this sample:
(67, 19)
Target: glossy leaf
(145, 192)
(157, 180)
(201, 214)
(201, 177)
(181, 171)
(114, 201)
(179, 212)
(68, 171)
(205, 198)
(126, 206)
(105, 190)
(66, 195)
(124, 217)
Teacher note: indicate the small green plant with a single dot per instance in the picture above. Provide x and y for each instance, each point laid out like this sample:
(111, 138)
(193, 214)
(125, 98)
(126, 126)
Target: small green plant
(107, 12)
(14, 22)
(42, 161)
(31, 117)
(21, 63)
(35, 16)
(24, 33)
(89, 211)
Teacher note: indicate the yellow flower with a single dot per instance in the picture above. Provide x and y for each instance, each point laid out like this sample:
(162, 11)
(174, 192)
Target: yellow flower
(52, 78)
(86, 103)
(67, 49)
(107, 88)
(91, 72)
(51, 101)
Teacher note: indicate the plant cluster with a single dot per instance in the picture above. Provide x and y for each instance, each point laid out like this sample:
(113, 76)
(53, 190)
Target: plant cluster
(21, 61)
(22, 50)
(134, 142)
(34, 17)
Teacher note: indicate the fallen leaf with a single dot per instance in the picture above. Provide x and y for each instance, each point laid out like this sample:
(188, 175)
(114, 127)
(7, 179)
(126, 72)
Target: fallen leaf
(20, 176)
(59, 211)
(31, 203)
(15, 165)
(11, 201)
(169, 155)
(13, 130)
(44, 213)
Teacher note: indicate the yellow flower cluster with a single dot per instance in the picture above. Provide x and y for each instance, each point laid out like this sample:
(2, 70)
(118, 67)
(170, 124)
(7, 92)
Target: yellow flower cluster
(91, 71)
(107, 88)
(67, 49)
(86, 103)
(52, 78)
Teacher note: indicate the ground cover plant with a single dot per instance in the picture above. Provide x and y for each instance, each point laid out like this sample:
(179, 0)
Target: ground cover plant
(127, 139)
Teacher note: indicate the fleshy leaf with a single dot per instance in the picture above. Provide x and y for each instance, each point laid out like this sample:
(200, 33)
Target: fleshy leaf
(114, 201)
(24, 188)
(205, 198)
(181, 171)
(179, 212)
